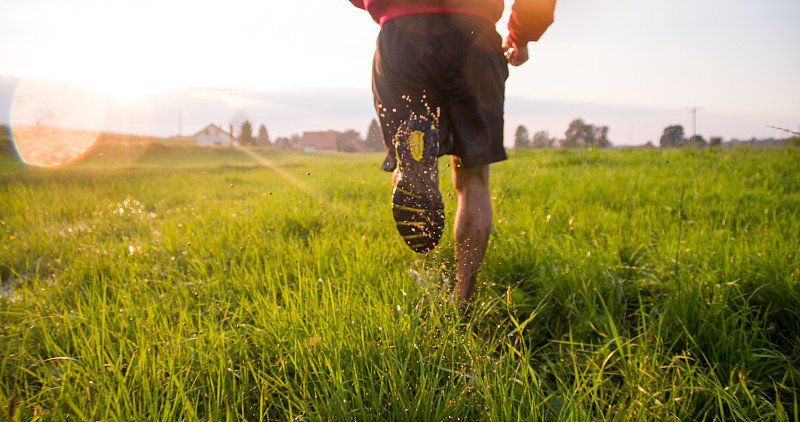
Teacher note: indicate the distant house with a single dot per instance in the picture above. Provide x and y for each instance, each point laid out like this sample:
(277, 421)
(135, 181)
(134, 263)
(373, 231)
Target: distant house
(212, 135)
(318, 141)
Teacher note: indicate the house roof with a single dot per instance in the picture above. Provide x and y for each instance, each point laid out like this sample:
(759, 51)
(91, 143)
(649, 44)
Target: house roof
(199, 132)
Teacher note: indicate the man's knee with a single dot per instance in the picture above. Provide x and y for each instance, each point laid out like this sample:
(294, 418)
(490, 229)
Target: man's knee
(464, 178)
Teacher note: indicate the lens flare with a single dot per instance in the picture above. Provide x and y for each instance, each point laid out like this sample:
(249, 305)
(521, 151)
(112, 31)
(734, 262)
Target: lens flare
(54, 123)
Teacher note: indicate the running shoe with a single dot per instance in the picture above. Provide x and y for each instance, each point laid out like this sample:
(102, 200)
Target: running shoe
(417, 205)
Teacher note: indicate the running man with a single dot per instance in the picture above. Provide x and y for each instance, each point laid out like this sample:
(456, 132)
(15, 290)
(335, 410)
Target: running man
(438, 81)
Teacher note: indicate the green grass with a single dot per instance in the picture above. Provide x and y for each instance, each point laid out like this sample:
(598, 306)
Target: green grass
(194, 283)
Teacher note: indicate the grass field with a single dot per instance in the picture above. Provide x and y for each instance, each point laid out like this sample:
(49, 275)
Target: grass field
(183, 283)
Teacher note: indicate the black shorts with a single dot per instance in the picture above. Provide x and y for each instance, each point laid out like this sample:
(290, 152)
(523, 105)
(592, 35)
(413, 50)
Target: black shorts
(447, 66)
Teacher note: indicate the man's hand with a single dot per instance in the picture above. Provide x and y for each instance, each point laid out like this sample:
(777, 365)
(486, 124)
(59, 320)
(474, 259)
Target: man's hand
(515, 54)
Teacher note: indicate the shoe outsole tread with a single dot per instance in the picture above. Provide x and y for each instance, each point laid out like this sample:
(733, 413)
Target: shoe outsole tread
(417, 206)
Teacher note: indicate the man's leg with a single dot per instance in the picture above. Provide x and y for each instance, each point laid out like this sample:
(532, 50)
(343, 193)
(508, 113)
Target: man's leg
(473, 221)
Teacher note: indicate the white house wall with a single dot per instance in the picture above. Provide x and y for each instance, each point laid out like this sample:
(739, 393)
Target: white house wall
(212, 140)
(212, 136)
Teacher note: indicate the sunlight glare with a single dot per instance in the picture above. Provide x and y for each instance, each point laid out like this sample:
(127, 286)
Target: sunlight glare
(54, 123)
(129, 86)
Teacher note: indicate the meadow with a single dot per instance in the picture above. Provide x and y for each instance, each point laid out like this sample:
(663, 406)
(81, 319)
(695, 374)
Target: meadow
(180, 283)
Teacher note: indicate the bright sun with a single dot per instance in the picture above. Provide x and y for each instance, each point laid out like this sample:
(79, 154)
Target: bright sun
(54, 122)
(126, 88)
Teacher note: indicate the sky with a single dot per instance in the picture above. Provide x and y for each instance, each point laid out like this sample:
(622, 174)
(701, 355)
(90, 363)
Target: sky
(171, 67)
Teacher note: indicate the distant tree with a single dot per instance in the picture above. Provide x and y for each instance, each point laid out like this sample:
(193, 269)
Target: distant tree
(578, 135)
(672, 137)
(288, 143)
(246, 134)
(542, 139)
(283, 142)
(346, 141)
(237, 120)
(715, 141)
(374, 140)
(294, 140)
(601, 137)
(696, 141)
(6, 146)
(521, 138)
(263, 137)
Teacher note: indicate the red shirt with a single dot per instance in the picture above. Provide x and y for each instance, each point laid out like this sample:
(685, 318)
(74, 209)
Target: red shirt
(529, 18)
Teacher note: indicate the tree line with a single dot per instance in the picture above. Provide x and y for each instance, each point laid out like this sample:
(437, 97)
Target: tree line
(349, 140)
(579, 134)
(673, 137)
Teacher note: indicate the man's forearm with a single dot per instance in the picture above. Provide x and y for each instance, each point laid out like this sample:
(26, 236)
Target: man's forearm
(358, 3)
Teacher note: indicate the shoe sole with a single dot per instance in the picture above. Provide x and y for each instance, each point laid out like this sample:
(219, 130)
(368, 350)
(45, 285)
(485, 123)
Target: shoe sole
(417, 205)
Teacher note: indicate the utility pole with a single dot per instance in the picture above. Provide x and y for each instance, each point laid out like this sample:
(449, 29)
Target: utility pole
(694, 121)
